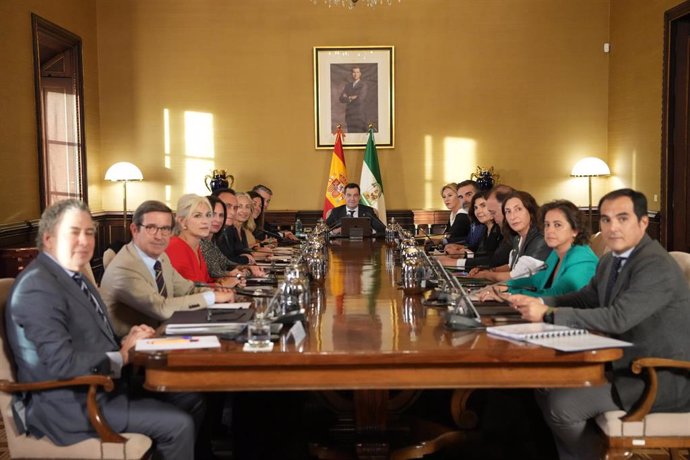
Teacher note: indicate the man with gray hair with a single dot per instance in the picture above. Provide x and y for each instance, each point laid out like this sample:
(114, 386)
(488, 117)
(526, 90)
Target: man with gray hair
(140, 285)
(57, 329)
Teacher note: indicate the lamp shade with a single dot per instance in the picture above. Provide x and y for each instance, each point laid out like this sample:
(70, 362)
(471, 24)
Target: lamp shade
(590, 167)
(123, 171)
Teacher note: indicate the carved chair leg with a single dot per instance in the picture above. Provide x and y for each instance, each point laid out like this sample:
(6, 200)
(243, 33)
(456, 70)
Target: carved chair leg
(464, 418)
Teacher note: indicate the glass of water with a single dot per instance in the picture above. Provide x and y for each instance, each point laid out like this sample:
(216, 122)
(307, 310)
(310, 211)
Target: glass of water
(259, 333)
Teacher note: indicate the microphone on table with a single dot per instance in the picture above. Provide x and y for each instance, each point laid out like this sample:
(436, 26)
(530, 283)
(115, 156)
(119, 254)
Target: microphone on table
(428, 238)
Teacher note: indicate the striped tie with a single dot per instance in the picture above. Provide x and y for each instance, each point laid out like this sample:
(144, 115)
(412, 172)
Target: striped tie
(160, 282)
(94, 302)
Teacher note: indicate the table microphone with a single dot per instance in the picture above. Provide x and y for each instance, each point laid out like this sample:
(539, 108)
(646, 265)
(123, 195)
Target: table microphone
(426, 235)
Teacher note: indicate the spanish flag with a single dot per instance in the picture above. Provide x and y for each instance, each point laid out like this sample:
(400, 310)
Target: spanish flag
(337, 176)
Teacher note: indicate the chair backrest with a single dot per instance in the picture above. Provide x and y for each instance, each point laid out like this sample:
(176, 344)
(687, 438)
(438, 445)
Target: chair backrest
(6, 362)
(598, 245)
(683, 260)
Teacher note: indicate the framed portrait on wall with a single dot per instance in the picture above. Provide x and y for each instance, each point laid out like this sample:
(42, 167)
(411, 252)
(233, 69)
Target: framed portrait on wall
(354, 88)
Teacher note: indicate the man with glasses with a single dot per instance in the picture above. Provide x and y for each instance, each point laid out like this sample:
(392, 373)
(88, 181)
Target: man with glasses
(140, 285)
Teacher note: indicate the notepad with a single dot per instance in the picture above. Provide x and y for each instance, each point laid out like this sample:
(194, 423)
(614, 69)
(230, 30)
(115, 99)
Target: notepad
(177, 343)
(554, 336)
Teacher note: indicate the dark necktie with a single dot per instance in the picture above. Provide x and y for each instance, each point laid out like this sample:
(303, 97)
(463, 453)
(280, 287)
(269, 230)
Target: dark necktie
(352, 213)
(160, 282)
(94, 302)
(613, 276)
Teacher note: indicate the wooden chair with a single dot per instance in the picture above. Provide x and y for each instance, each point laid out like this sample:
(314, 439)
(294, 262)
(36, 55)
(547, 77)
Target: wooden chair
(108, 445)
(683, 260)
(598, 245)
(638, 428)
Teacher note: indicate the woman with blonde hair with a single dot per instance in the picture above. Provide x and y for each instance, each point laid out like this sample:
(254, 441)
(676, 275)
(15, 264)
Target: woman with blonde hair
(244, 222)
(458, 221)
(192, 224)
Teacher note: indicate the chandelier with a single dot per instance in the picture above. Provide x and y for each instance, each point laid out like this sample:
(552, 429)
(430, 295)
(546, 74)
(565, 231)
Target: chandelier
(351, 3)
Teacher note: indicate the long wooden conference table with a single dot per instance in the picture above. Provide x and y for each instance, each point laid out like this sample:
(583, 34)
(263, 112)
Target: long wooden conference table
(364, 334)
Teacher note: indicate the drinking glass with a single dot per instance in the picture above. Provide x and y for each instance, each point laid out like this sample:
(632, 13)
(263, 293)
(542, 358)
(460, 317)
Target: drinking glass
(259, 333)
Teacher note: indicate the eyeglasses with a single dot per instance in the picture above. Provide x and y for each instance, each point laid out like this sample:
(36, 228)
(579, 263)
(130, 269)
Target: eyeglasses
(152, 229)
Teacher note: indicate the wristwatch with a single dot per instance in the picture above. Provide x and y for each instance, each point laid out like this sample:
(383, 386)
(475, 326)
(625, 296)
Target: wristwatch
(548, 316)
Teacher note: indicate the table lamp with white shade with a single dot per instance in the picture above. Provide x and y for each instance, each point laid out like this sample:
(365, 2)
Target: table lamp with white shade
(590, 167)
(124, 172)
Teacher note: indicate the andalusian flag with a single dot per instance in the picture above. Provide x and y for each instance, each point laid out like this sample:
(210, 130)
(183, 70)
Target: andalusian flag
(370, 183)
(337, 177)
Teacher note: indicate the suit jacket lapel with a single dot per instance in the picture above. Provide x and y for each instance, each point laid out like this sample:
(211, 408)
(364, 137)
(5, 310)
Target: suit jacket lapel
(71, 287)
(140, 266)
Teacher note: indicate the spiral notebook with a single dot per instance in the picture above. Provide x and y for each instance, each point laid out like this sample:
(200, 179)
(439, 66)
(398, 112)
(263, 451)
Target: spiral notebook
(561, 338)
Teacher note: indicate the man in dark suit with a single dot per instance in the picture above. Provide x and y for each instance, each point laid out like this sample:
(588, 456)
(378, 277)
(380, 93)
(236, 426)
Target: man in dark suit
(353, 208)
(354, 95)
(57, 329)
(638, 294)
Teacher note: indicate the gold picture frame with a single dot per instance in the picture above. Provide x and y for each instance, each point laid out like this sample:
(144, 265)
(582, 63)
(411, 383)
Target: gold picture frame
(354, 88)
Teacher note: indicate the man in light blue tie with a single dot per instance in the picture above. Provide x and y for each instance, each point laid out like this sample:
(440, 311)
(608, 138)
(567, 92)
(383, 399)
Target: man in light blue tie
(639, 295)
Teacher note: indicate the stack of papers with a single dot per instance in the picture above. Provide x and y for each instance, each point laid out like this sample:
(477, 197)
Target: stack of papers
(177, 343)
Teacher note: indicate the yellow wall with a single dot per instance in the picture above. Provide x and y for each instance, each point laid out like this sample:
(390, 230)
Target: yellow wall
(521, 85)
(637, 38)
(18, 151)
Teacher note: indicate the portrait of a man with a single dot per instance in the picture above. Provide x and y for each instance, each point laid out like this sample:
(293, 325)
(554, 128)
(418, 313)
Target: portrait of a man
(354, 97)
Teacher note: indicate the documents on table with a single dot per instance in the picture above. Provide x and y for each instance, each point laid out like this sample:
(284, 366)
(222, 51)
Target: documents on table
(230, 306)
(177, 343)
(561, 338)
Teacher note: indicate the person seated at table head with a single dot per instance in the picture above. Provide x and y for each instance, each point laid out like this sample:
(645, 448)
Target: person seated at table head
(267, 194)
(458, 220)
(571, 263)
(638, 294)
(520, 226)
(353, 208)
(140, 285)
(57, 329)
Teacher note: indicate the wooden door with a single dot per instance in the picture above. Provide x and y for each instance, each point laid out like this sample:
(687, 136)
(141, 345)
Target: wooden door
(675, 186)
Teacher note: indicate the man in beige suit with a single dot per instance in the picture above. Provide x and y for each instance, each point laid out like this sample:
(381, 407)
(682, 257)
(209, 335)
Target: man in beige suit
(140, 285)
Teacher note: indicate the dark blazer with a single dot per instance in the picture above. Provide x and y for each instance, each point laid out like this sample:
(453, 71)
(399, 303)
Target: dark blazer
(492, 250)
(55, 333)
(233, 245)
(650, 307)
(458, 232)
(363, 211)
